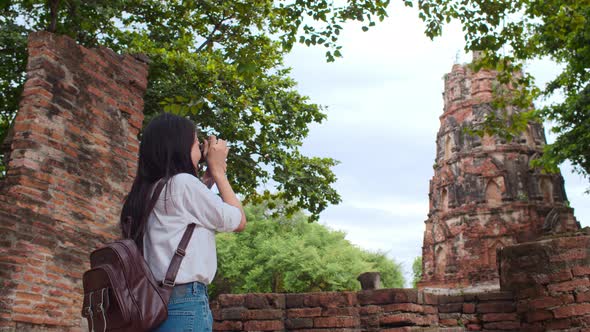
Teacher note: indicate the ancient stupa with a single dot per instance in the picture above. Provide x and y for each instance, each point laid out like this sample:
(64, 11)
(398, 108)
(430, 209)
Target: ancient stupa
(484, 195)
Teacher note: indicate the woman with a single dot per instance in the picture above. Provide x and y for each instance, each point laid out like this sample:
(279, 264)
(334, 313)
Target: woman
(170, 151)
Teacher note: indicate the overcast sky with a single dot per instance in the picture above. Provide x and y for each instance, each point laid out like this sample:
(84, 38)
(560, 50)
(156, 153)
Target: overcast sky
(384, 100)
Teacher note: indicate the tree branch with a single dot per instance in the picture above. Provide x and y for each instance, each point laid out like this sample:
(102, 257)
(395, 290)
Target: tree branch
(209, 38)
(53, 8)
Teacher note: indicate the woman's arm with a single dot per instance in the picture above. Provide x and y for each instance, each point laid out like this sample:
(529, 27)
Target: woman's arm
(228, 196)
(216, 157)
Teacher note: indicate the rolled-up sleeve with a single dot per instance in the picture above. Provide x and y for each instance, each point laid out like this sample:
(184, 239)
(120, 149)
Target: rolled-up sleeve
(208, 208)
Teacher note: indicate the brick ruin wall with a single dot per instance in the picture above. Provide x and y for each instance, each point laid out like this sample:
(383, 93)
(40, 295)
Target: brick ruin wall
(72, 158)
(73, 155)
(545, 286)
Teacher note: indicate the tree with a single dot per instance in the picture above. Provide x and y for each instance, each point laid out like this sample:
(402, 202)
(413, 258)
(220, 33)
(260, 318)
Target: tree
(217, 62)
(289, 255)
(416, 271)
(513, 32)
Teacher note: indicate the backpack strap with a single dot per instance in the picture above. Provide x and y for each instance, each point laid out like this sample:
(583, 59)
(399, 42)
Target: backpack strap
(154, 200)
(170, 279)
(128, 221)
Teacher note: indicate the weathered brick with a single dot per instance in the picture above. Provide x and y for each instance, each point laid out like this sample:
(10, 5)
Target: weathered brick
(264, 301)
(295, 300)
(264, 325)
(560, 276)
(262, 314)
(227, 325)
(531, 292)
(298, 323)
(231, 300)
(496, 317)
(429, 309)
(444, 299)
(402, 319)
(579, 271)
(455, 315)
(26, 311)
(568, 285)
(449, 322)
(511, 326)
(404, 307)
(495, 296)
(386, 296)
(532, 327)
(29, 296)
(28, 319)
(304, 312)
(549, 301)
(581, 321)
(232, 313)
(572, 310)
(451, 307)
(583, 296)
(570, 255)
(430, 298)
(473, 327)
(216, 313)
(326, 322)
(330, 299)
(495, 307)
(469, 308)
(538, 315)
(331, 312)
(558, 324)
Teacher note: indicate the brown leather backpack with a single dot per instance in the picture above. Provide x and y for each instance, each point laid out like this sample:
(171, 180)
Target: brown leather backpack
(120, 292)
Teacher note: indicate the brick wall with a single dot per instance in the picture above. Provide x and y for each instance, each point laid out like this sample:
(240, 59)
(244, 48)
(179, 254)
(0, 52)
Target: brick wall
(545, 286)
(375, 310)
(73, 154)
(550, 281)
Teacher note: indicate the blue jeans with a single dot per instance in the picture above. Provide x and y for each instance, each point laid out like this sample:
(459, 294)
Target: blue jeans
(188, 310)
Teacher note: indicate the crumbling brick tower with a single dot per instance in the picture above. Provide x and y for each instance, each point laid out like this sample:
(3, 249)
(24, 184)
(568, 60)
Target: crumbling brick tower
(484, 195)
(72, 159)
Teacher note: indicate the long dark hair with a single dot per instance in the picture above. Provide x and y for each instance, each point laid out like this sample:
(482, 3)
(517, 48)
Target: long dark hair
(164, 151)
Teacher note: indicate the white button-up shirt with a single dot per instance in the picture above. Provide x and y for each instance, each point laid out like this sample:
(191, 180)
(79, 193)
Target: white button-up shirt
(184, 200)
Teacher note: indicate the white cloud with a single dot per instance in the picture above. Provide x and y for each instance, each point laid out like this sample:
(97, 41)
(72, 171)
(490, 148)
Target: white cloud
(395, 206)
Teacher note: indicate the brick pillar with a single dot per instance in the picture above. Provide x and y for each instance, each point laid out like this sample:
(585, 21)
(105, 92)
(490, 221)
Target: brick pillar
(72, 160)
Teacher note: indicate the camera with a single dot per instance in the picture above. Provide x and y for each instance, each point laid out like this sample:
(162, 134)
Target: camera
(203, 156)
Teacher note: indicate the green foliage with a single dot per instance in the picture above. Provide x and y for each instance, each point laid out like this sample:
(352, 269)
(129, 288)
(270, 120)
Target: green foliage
(416, 271)
(512, 32)
(292, 255)
(219, 63)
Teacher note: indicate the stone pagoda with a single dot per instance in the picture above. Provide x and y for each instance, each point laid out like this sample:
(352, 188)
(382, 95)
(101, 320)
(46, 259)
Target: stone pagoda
(484, 195)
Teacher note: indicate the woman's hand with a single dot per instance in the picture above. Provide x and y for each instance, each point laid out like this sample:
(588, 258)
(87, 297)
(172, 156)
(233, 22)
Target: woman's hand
(216, 155)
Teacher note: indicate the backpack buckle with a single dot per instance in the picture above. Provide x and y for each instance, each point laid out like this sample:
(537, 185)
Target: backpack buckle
(168, 283)
(180, 252)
